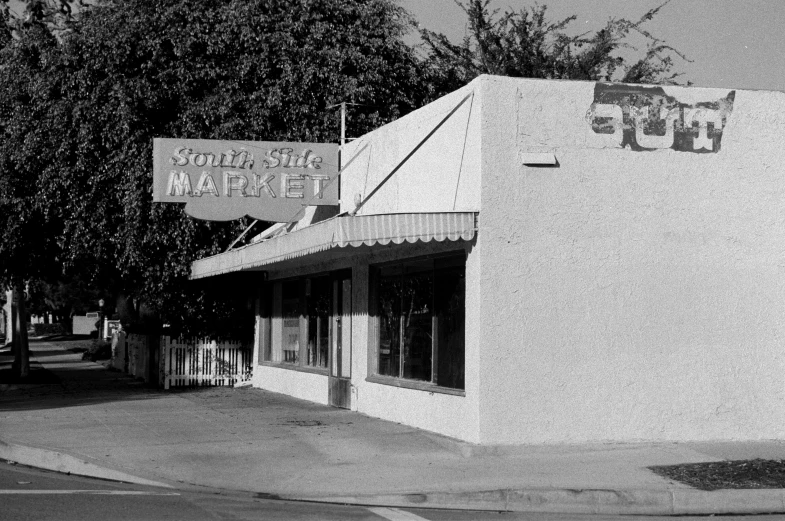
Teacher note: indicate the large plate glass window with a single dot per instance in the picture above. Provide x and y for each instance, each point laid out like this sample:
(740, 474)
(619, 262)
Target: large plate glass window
(290, 312)
(300, 323)
(319, 301)
(421, 306)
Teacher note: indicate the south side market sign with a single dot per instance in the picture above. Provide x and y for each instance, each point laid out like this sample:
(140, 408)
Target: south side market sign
(226, 180)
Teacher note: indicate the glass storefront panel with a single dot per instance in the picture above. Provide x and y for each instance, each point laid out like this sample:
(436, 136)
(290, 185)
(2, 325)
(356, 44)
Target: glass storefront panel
(290, 312)
(389, 310)
(301, 321)
(420, 307)
(319, 299)
(449, 310)
(416, 306)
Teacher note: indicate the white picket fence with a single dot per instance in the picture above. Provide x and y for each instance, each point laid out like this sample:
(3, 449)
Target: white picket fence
(201, 362)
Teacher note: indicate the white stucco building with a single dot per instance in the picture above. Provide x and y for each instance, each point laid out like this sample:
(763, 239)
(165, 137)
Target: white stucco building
(556, 262)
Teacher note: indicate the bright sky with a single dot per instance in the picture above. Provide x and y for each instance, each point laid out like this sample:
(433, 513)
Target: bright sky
(732, 43)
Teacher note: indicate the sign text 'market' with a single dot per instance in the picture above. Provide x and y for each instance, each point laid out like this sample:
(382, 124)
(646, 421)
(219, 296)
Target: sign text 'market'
(223, 180)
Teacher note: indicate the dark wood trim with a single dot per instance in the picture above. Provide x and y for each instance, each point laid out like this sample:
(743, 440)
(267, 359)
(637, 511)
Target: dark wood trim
(413, 384)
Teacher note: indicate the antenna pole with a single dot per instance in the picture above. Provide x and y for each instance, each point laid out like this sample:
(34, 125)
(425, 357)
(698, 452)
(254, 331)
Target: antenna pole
(343, 123)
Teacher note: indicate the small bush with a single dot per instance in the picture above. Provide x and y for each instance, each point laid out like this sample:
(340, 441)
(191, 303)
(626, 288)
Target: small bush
(100, 350)
(49, 329)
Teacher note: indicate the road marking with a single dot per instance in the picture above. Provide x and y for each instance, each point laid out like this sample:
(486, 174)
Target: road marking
(395, 514)
(89, 492)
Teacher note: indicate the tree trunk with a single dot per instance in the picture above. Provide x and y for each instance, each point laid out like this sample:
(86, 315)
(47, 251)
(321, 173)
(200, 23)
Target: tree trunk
(9, 317)
(21, 347)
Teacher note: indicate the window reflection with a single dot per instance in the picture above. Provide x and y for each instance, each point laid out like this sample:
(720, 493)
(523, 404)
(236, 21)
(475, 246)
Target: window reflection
(421, 317)
(301, 321)
(319, 300)
(290, 311)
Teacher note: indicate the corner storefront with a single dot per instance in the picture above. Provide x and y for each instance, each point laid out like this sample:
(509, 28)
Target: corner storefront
(531, 261)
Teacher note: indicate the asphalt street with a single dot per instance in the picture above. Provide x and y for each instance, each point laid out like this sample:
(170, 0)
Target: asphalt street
(28, 494)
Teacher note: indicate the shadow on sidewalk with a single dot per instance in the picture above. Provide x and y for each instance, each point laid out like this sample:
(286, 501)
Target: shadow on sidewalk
(66, 381)
(37, 376)
(62, 338)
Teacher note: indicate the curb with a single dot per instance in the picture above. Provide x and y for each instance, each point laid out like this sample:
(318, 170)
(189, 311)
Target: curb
(534, 500)
(60, 462)
(584, 501)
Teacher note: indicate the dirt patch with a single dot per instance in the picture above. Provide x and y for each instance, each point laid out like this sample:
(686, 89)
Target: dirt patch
(754, 473)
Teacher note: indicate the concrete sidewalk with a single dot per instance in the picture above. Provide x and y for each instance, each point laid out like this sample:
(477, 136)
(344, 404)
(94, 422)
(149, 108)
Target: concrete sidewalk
(105, 424)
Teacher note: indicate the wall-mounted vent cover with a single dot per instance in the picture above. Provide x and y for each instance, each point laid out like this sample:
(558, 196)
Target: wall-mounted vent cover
(538, 158)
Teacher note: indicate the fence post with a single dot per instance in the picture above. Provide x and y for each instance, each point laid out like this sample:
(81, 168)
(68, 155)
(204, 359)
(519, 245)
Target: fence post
(202, 362)
(167, 363)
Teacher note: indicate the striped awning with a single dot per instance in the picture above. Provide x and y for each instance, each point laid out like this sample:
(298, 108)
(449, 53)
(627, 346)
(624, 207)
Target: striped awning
(340, 232)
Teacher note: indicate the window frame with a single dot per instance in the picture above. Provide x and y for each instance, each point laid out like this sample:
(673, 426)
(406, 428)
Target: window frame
(268, 315)
(374, 330)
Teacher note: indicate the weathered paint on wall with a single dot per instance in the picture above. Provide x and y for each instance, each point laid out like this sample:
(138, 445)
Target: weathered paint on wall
(646, 118)
(629, 295)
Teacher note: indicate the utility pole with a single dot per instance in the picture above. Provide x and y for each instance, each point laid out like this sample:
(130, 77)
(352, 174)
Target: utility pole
(343, 124)
(343, 136)
(343, 105)
(343, 142)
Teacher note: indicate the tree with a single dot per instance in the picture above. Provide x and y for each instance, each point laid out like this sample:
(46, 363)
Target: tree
(64, 297)
(129, 71)
(28, 117)
(526, 44)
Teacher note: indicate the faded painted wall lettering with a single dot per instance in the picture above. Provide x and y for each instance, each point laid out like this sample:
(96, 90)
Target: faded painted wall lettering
(645, 118)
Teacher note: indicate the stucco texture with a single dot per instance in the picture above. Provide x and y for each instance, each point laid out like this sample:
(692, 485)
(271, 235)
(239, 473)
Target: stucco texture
(299, 384)
(629, 294)
(443, 174)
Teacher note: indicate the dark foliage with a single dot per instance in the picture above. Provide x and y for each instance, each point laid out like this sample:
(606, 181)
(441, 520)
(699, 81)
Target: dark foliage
(49, 329)
(755, 473)
(84, 89)
(526, 44)
(82, 100)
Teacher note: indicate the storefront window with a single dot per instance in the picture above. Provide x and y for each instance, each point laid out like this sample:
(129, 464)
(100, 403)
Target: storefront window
(319, 302)
(301, 322)
(290, 311)
(421, 320)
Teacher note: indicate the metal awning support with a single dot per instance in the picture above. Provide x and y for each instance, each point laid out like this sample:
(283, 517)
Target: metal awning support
(242, 235)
